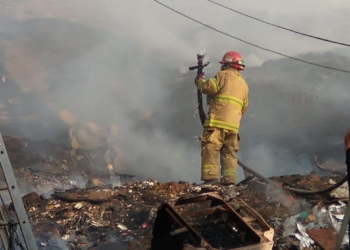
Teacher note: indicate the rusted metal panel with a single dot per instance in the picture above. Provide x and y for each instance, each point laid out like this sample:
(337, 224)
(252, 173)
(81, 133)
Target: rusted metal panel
(325, 237)
(208, 222)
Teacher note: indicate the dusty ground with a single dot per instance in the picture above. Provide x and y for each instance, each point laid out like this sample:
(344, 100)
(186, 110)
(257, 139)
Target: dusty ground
(119, 211)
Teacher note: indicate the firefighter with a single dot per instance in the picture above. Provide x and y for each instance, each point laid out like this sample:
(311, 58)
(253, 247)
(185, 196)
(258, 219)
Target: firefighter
(227, 95)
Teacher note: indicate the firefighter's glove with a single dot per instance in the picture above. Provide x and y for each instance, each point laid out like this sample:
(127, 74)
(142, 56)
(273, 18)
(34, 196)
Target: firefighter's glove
(199, 78)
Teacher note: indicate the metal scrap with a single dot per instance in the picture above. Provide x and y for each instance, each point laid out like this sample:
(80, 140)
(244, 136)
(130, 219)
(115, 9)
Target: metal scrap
(336, 214)
(208, 221)
(305, 240)
(325, 237)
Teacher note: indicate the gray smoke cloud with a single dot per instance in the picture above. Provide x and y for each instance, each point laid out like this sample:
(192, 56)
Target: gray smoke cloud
(126, 63)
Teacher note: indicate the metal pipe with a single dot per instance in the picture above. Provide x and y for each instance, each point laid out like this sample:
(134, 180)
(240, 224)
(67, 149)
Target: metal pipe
(343, 228)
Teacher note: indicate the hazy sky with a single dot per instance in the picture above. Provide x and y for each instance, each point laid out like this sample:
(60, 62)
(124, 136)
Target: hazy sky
(164, 29)
(155, 27)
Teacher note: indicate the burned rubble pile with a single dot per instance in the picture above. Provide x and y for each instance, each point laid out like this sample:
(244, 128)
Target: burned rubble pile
(92, 209)
(301, 221)
(93, 216)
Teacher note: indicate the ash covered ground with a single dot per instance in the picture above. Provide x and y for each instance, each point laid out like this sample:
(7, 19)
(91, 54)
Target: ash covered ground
(82, 208)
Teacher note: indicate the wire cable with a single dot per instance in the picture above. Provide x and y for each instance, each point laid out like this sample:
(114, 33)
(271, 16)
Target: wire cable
(252, 44)
(278, 26)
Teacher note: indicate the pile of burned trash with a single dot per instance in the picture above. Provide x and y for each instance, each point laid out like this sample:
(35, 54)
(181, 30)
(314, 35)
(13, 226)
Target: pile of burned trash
(71, 206)
(125, 214)
(97, 215)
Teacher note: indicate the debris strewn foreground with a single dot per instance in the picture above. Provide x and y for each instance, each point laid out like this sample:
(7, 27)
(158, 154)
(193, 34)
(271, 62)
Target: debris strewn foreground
(116, 212)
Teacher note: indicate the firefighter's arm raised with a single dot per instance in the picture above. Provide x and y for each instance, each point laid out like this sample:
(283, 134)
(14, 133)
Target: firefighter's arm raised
(209, 87)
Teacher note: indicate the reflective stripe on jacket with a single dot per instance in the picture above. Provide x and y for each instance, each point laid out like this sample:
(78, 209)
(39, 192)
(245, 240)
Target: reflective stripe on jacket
(228, 99)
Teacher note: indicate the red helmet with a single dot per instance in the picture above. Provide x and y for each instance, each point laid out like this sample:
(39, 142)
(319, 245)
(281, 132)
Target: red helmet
(233, 59)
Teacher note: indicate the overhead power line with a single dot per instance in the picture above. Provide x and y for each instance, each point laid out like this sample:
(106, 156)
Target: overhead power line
(281, 27)
(252, 44)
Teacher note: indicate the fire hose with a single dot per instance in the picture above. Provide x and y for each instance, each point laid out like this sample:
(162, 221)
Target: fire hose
(202, 116)
(295, 190)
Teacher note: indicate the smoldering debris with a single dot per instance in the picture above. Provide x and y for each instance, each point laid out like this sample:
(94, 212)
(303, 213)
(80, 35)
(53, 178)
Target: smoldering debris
(93, 215)
(128, 214)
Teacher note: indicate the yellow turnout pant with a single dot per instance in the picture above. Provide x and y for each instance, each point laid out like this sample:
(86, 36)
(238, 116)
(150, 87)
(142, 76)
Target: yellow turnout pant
(217, 141)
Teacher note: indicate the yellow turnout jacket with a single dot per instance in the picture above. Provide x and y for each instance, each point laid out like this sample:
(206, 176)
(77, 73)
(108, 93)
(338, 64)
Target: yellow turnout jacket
(227, 98)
